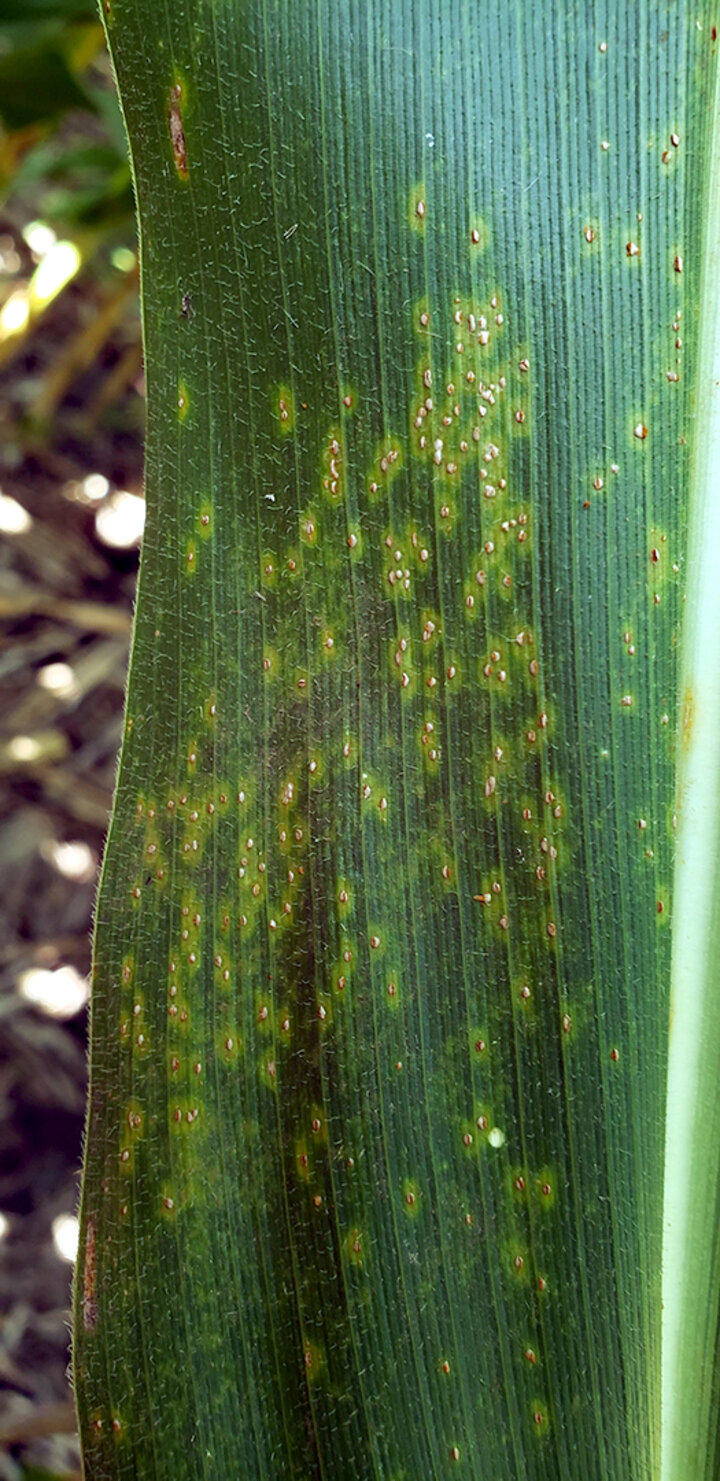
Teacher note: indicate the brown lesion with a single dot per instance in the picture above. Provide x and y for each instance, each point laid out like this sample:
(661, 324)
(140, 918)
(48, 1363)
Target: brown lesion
(177, 132)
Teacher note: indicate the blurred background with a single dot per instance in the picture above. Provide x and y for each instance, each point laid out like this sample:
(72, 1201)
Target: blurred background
(71, 518)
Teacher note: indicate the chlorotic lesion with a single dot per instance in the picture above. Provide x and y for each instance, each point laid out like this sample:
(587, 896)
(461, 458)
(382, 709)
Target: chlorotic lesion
(168, 1202)
(540, 1418)
(344, 898)
(411, 1197)
(315, 766)
(341, 971)
(183, 401)
(330, 644)
(190, 558)
(228, 1044)
(283, 405)
(133, 1118)
(324, 1012)
(518, 1262)
(479, 234)
(354, 1248)
(186, 1116)
(417, 208)
(126, 1156)
(205, 521)
(268, 570)
(333, 466)
(517, 1184)
(315, 1360)
(479, 1043)
(544, 1186)
(308, 527)
(292, 563)
(392, 993)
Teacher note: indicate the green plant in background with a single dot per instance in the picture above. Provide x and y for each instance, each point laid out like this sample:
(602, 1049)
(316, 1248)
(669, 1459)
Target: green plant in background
(381, 1035)
(65, 186)
(49, 79)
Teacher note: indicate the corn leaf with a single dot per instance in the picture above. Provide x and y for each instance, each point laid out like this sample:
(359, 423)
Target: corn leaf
(380, 1033)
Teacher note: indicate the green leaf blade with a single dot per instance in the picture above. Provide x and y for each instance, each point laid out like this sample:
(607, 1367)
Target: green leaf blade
(387, 832)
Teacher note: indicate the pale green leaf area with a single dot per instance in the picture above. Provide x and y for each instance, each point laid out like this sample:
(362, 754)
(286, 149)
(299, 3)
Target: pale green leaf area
(691, 1254)
(380, 1035)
